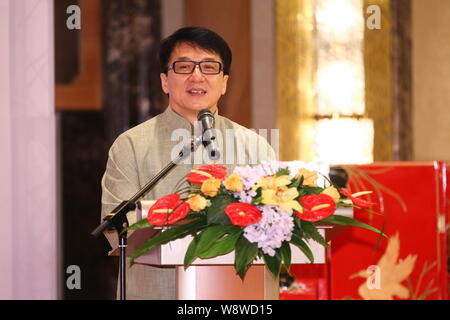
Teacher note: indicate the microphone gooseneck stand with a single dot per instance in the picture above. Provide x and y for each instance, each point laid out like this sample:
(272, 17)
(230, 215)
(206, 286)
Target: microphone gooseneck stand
(118, 221)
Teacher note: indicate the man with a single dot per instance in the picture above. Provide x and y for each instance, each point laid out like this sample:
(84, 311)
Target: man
(195, 66)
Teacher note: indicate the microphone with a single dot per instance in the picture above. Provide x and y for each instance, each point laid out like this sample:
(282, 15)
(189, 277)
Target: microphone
(206, 119)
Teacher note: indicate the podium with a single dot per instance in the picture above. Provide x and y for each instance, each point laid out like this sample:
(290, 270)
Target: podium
(216, 278)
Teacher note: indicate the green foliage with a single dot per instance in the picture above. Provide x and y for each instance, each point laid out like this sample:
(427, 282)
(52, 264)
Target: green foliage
(282, 172)
(141, 224)
(258, 197)
(310, 231)
(215, 213)
(306, 190)
(346, 221)
(296, 182)
(303, 246)
(167, 236)
(286, 256)
(212, 242)
(245, 253)
(273, 263)
(217, 240)
(191, 252)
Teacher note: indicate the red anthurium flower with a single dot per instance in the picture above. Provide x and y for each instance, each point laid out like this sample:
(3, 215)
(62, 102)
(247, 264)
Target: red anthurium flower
(197, 176)
(167, 210)
(316, 207)
(355, 198)
(243, 214)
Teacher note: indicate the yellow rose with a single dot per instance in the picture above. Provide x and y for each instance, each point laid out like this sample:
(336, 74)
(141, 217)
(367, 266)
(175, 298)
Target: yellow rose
(234, 183)
(210, 187)
(332, 192)
(309, 177)
(197, 202)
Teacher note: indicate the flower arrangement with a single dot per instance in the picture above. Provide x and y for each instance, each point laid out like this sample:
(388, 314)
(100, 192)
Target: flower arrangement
(257, 211)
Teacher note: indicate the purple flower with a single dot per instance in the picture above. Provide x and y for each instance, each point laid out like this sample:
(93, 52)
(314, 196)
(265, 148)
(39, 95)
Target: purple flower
(269, 233)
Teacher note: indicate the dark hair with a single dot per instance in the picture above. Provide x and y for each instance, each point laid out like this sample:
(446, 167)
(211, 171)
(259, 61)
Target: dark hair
(197, 36)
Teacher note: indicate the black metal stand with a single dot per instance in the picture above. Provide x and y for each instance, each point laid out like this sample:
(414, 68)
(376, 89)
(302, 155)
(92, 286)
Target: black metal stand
(118, 221)
(122, 264)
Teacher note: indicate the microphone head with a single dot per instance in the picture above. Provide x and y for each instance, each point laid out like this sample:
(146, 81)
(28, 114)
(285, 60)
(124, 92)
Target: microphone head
(206, 119)
(204, 113)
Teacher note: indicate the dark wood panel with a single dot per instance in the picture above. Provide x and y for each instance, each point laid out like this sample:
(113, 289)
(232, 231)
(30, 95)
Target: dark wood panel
(85, 91)
(402, 85)
(230, 19)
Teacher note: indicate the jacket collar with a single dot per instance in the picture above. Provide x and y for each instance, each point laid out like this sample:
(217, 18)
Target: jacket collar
(174, 120)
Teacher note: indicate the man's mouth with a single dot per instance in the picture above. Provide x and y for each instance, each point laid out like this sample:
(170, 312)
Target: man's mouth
(196, 91)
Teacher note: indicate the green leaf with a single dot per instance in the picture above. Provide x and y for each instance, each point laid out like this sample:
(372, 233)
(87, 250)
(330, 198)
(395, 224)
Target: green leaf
(194, 215)
(191, 255)
(311, 232)
(282, 172)
(258, 197)
(303, 246)
(223, 243)
(296, 183)
(141, 224)
(209, 235)
(305, 190)
(346, 221)
(215, 213)
(167, 236)
(380, 236)
(298, 229)
(285, 251)
(244, 255)
(273, 263)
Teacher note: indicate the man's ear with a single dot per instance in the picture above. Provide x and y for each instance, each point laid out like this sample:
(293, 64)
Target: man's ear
(164, 84)
(224, 87)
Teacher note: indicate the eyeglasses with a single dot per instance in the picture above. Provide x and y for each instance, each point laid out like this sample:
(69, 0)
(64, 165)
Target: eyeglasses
(187, 67)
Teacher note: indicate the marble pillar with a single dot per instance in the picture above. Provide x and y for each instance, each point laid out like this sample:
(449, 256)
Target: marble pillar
(131, 67)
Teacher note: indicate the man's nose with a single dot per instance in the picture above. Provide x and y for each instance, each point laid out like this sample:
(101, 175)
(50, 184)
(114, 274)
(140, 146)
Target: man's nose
(197, 74)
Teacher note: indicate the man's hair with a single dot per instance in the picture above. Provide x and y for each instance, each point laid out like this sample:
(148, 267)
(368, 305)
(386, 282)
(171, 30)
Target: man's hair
(197, 36)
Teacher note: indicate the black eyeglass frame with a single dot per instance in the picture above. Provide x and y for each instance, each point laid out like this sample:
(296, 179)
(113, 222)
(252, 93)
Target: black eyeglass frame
(196, 63)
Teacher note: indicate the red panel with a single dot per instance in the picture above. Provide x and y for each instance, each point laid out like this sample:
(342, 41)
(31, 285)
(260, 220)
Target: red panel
(412, 196)
(310, 283)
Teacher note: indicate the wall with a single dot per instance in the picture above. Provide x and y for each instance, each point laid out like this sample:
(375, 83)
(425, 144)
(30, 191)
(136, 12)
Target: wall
(29, 263)
(230, 19)
(263, 64)
(431, 80)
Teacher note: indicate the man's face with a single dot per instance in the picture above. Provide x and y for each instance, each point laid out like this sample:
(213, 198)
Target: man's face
(190, 93)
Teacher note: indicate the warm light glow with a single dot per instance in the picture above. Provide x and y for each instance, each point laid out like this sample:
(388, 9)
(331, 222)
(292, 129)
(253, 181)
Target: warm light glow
(340, 65)
(339, 19)
(340, 85)
(340, 88)
(344, 141)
